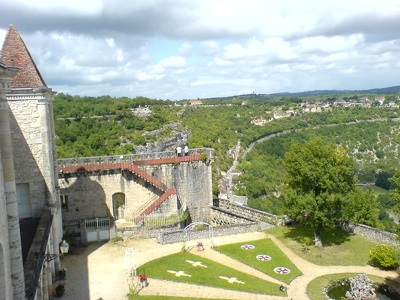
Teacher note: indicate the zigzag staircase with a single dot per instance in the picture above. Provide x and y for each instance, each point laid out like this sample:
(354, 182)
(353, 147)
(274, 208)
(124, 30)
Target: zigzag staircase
(152, 203)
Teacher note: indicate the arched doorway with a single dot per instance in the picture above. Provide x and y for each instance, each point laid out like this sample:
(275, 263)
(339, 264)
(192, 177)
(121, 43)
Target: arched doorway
(118, 201)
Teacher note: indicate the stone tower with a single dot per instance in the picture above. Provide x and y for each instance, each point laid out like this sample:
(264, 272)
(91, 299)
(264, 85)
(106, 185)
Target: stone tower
(28, 161)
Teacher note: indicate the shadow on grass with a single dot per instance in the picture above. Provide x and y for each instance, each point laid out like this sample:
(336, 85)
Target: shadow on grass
(330, 237)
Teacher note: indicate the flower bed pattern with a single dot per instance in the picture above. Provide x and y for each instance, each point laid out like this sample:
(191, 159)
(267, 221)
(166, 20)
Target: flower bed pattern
(269, 259)
(186, 267)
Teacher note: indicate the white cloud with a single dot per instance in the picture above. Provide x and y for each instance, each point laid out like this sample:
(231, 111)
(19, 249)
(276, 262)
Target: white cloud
(209, 48)
(185, 50)
(331, 44)
(174, 62)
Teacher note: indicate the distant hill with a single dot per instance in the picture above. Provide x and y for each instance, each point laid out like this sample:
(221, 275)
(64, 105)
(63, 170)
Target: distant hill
(377, 91)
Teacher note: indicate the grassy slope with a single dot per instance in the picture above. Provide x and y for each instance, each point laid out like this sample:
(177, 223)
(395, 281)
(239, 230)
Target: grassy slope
(340, 248)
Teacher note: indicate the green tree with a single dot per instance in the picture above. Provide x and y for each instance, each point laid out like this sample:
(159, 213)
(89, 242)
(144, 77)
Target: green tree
(319, 180)
(363, 208)
(382, 180)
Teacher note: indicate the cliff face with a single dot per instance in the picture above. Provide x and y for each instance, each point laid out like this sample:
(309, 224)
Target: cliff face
(180, 138)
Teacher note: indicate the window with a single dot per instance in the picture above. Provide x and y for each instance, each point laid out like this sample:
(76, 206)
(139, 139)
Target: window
(64, 202)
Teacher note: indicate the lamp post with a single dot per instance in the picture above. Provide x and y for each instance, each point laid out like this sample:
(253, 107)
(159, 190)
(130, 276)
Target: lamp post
(64, 247)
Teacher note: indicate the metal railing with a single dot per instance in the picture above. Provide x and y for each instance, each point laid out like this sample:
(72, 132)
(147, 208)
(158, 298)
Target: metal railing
(131, 158)
(156, 219)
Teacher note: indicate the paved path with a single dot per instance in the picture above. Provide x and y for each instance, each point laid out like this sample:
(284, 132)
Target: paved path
(297, 288)
(97, 272)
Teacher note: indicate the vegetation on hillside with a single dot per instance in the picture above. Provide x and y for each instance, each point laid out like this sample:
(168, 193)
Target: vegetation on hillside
(88, 126)
(320, 188)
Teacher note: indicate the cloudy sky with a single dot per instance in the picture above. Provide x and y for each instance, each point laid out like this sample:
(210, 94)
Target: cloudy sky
(189, 49)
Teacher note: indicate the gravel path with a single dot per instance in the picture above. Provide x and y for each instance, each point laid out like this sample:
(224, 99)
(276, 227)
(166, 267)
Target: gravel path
(97, 271)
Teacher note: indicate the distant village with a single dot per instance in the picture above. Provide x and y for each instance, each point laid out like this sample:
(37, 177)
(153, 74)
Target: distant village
(320, 106)
(313, 106)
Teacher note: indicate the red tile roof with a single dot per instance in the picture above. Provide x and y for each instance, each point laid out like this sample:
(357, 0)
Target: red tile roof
(15, 53)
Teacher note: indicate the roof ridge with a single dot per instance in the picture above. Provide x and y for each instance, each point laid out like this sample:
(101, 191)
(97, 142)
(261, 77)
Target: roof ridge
(15, 53)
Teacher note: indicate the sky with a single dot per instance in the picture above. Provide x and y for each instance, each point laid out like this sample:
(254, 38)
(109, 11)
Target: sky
(189, 49)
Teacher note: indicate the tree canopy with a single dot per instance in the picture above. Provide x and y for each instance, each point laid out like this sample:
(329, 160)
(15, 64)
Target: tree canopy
(320, 187)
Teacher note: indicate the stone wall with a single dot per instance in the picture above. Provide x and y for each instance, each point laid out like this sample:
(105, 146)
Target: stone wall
(377, 235)
(145, 232)
(11, 272)
(253, 214)
(32, 131)
(90, 194)
(193, 182)
(33, 143)
(224, 217)
(179, 236)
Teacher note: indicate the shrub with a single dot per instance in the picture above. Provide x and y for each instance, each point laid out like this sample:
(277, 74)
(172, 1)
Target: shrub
(385, 257)
(203, 157)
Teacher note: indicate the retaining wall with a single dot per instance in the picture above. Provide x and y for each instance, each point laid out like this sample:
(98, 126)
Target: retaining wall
(179, 236)
(253, 214)
(377, 235)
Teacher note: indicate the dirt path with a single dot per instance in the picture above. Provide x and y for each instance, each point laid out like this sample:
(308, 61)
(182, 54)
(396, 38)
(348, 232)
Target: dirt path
(97, 271)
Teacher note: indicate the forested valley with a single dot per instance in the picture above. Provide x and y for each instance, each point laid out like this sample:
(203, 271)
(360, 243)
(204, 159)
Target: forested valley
(87, 126)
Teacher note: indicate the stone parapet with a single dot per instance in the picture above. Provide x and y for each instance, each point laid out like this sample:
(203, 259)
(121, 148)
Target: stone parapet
(179, 236)
(136, 159)
(377, 235)
(145, 232)
(253, 214)
(225, 217)
(35, 260)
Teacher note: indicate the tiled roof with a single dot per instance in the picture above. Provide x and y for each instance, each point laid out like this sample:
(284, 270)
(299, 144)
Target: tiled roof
(14, 53)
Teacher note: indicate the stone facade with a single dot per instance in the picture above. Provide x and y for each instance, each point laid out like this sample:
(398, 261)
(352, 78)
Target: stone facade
(91, 193)
(193, 181)
(11, 270)
(30, 208)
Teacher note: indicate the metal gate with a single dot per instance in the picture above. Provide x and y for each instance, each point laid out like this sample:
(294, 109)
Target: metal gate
(97, 229)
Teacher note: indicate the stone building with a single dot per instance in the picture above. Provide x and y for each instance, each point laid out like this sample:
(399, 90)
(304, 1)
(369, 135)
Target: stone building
(30, 212)
(133, 188)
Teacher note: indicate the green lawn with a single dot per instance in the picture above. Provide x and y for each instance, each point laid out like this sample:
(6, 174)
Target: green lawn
(340, 248)
(209, 276)
(375, 189)
(314, 288)
(262, 247)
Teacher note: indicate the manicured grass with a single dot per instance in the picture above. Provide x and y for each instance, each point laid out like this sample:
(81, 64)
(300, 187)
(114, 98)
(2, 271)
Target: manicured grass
(375, 189)
(208, 276)
(340, 248)
(314, 288)
(263, 247)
